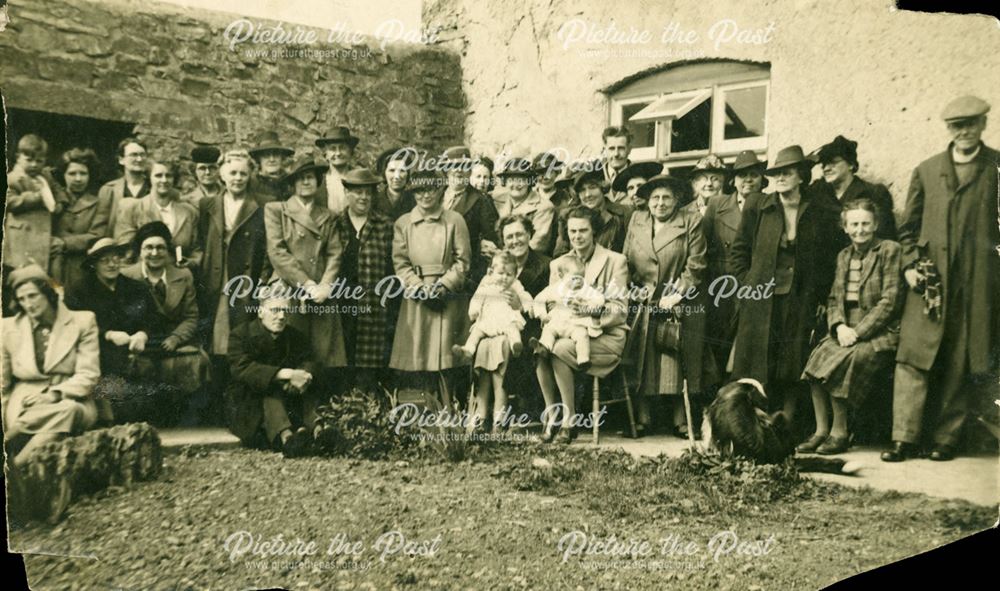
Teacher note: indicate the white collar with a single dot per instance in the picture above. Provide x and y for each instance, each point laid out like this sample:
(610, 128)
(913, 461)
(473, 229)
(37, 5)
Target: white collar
(959, 158)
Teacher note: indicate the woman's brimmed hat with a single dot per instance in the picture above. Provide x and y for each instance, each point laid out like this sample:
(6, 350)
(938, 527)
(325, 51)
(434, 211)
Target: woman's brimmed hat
(518, 167)
(680, 188)
(590, 176)
(306, 163)
(99, 248)
(268, 142)
(337, 135)
(205, 154)
(644, 170)
(359, 177)
(747, 159)
(710, 163)
(792, 156)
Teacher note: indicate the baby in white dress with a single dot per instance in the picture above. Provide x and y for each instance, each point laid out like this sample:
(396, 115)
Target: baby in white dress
(563, 321)
(491, 311)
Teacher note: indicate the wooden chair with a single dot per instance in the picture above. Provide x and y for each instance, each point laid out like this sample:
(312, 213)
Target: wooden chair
(597, 402)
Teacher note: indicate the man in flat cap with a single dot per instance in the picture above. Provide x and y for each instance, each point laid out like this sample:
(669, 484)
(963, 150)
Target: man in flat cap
(206, 174)
(950, 329)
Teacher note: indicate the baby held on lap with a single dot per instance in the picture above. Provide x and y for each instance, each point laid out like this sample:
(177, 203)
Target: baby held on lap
(572, 315)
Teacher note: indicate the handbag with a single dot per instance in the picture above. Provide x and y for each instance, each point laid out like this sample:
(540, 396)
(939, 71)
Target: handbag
(668, 334)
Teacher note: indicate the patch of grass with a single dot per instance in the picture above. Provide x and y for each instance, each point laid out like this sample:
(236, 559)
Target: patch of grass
(356, 425)
(966, 517)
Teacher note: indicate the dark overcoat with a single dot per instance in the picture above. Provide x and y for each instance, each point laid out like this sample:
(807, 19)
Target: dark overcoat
(878, 194)
(255, 357)
(923, 232)
(244, 253)
(753, 261)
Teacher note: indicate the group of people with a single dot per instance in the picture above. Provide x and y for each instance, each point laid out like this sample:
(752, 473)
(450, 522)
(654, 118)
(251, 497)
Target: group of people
(274, 279)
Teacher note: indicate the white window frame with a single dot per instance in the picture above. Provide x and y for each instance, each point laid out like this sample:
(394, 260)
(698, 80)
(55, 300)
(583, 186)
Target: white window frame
(716, 142)
(638, 154)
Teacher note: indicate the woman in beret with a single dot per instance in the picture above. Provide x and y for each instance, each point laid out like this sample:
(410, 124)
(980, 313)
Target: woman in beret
(85, 216)
(172, 354)
(50, 366)
(665, 248)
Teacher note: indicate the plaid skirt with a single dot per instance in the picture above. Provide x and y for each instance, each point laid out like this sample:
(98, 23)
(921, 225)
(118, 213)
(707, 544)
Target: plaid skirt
(848, 372)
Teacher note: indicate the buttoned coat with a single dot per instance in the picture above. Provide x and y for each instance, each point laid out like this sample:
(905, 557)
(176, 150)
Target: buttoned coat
(676, 256)
(255, 357)
(27, 223)
(720, 224)
(72, 366)
(923, 232)
(428, 249)
(136, 213)
(753, 261)
(81, 223)
(303, 245)
(372, 343)
(114, 193)
(879, 295)
(243, 254)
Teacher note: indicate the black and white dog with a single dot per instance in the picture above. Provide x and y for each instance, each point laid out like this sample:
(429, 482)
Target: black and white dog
(737, 423)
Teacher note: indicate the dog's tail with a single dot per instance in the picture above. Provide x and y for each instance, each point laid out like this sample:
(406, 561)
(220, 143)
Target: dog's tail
(826, 465)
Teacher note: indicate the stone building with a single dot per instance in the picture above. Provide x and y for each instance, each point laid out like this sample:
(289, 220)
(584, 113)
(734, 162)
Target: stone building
(90, 72)
(727, 75)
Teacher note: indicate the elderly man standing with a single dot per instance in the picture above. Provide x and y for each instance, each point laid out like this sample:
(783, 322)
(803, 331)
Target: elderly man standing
(950, 331)
(338, 150)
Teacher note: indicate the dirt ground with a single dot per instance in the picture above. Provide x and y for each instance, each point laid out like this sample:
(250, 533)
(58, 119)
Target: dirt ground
(513, 516)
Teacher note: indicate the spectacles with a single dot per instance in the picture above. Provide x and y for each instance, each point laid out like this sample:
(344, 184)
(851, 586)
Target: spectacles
(154, 247)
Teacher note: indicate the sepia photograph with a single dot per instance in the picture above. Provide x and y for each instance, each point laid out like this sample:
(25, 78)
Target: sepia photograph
(464, 294)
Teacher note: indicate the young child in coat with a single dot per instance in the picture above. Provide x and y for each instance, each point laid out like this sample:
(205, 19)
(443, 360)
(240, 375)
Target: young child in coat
(490, 310)
(563, 321)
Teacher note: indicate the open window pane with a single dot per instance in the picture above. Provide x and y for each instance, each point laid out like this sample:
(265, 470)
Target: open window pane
(692, 131)
(745, 112)
(672, 106)
(643, 132)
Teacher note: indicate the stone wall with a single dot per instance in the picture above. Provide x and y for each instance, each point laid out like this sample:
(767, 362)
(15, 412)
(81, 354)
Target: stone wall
(172, 72)
(859, 68)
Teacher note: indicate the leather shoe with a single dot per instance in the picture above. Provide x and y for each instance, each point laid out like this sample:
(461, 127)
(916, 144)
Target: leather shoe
(809, 445)
(565, 436)
(834, 445)
(942, 453)
(297, 444)
(900, 451)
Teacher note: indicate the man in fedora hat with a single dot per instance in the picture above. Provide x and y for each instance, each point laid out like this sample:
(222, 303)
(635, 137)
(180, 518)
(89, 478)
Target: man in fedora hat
(626, 185)
(838, 161)
(518, 176)
(337, 147)
(271, 157)
(476, 208)
(950, 332)
(205, 158)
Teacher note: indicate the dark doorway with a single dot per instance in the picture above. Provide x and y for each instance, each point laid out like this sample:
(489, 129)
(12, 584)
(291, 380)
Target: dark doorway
(63, 132)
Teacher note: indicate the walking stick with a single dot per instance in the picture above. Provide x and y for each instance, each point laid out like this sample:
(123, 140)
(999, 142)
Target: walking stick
(687, 398)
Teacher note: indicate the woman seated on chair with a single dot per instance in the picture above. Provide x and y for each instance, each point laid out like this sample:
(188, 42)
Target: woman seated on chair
(50, 365)
(606, 271)
(665, 248)
(171, 355)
